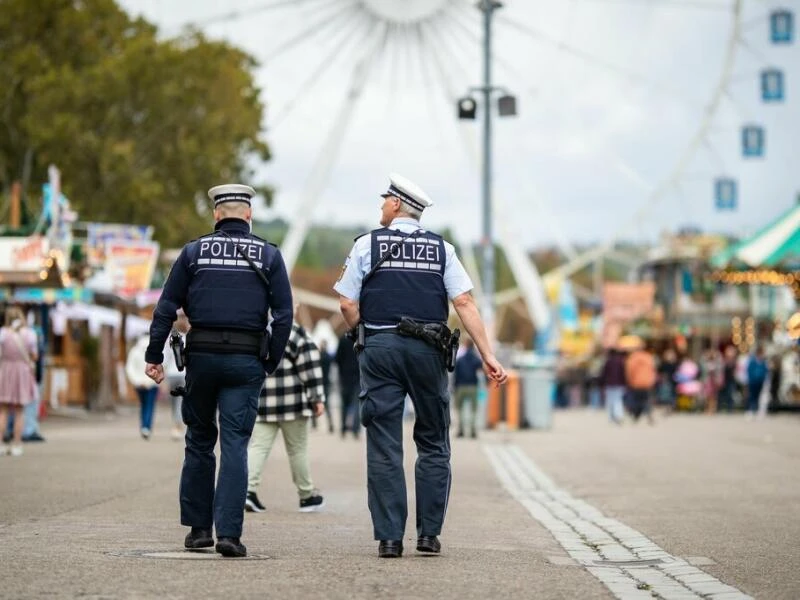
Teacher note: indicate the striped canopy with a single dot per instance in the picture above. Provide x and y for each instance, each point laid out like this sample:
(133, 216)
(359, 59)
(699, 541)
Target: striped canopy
(778, 243)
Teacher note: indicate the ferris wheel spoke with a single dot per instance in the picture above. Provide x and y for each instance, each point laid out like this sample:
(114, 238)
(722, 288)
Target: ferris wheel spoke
(457, 57)
(350, 38)
(753, 52)
(429, 84)
(330, 20)
(469, 30)
(600, 63)
(715, 154)
(446, 86)
(235, 15)
(329, 153)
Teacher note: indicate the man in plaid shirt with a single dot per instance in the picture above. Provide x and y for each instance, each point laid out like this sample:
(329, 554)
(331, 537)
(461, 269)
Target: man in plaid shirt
(288, 399)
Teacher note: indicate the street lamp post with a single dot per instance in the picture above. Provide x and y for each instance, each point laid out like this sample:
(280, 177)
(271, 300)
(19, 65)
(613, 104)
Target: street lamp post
(488, 7)
(467, 110)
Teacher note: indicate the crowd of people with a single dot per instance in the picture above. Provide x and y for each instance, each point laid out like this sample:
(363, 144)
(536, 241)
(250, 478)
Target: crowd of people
(633, 378)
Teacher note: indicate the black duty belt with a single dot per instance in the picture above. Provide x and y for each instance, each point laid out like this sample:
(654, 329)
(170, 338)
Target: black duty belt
(224, 341)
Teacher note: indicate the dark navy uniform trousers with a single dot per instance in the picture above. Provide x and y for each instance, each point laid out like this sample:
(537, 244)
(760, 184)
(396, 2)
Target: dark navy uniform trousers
(229, 383)
(392, 366)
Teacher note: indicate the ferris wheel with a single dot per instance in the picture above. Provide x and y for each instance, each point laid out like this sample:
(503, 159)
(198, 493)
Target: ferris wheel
(628, 107)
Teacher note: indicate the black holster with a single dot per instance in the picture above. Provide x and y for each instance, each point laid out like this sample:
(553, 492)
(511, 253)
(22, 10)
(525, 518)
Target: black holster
(265, 341)
(178, 350)
(452, 349)
(437, 335)
(359, 336)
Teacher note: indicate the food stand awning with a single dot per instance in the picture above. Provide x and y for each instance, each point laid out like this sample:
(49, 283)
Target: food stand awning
(777, 243)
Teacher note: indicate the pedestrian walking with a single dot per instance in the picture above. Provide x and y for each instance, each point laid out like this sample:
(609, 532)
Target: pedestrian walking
(226, 282)
(394, 289)
(465, 389)
(640, 376)
(326, 360)
(712, 376)
(612, 380)
(30, 412)
(291, 395)
(727, 394)
(18, 353)
(146, 388)
(349, 387)
(757, 372)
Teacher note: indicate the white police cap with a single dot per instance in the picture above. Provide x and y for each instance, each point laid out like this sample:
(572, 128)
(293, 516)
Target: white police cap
(408, 191)
(231, 192)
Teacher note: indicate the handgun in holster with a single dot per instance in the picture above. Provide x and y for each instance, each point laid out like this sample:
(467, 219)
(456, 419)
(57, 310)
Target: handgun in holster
(452, 349)
(178, 349)
(360, 337)
(437, 335)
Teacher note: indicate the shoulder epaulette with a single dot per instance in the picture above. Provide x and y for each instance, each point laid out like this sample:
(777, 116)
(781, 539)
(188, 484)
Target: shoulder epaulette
(358, 237)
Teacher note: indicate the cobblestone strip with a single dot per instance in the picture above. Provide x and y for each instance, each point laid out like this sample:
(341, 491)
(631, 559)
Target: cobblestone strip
(630, 565)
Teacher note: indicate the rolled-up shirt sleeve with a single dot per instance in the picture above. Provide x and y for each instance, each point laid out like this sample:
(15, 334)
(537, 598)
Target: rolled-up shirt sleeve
(349, 282)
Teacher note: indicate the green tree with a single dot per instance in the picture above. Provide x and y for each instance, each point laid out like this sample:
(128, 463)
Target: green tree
(140, 127)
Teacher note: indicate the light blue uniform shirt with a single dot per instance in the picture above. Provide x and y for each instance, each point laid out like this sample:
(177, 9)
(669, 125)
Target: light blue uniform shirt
(359, 263)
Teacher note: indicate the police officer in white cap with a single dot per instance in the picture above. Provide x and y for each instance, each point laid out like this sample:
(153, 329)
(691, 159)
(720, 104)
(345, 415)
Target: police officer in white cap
(395, 287)
(227, 283)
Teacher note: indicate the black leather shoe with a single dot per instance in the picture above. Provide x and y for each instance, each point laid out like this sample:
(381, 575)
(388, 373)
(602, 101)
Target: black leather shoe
(198, 538)
(231, 547)
(390, 549)
(429, 543)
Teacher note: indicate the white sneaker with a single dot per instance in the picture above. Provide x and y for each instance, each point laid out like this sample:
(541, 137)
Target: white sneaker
(176, 434)
(145, 433)
(16, 451)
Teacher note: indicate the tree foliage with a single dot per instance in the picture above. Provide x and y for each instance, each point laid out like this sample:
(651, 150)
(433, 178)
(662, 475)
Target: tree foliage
(140, 127)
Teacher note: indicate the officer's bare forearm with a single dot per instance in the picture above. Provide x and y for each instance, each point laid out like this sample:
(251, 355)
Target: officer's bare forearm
(467, 311)
(350, 311)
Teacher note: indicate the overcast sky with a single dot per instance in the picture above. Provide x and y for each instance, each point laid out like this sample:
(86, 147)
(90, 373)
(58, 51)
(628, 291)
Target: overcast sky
(610, 94)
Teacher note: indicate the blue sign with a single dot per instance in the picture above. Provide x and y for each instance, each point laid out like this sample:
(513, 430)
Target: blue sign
(772, 85)
(781, 26)
(725, 193)
(752, 141)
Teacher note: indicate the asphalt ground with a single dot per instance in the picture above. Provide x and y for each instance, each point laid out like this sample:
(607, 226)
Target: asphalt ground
(93, 513)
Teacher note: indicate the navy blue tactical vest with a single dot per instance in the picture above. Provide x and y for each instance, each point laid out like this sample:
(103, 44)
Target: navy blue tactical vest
(225, 292)
(410, 283)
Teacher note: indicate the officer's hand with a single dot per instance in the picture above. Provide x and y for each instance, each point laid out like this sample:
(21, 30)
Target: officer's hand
(319, 408)
(154, 372)
(494, 371)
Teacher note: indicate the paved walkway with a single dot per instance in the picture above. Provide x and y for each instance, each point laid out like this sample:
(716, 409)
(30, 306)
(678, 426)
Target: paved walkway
(693, 507)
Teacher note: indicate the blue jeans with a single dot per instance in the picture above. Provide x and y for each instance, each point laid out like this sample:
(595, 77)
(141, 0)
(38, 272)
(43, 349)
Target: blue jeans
(614, 402)
(754, 393)
(147, 404)
(229, 383)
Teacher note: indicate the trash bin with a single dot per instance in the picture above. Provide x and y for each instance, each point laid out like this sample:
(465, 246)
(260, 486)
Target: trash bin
(537, 375)
(504, 403)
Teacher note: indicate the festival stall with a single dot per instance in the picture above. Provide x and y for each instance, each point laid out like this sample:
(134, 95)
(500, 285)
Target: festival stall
(768, 262)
